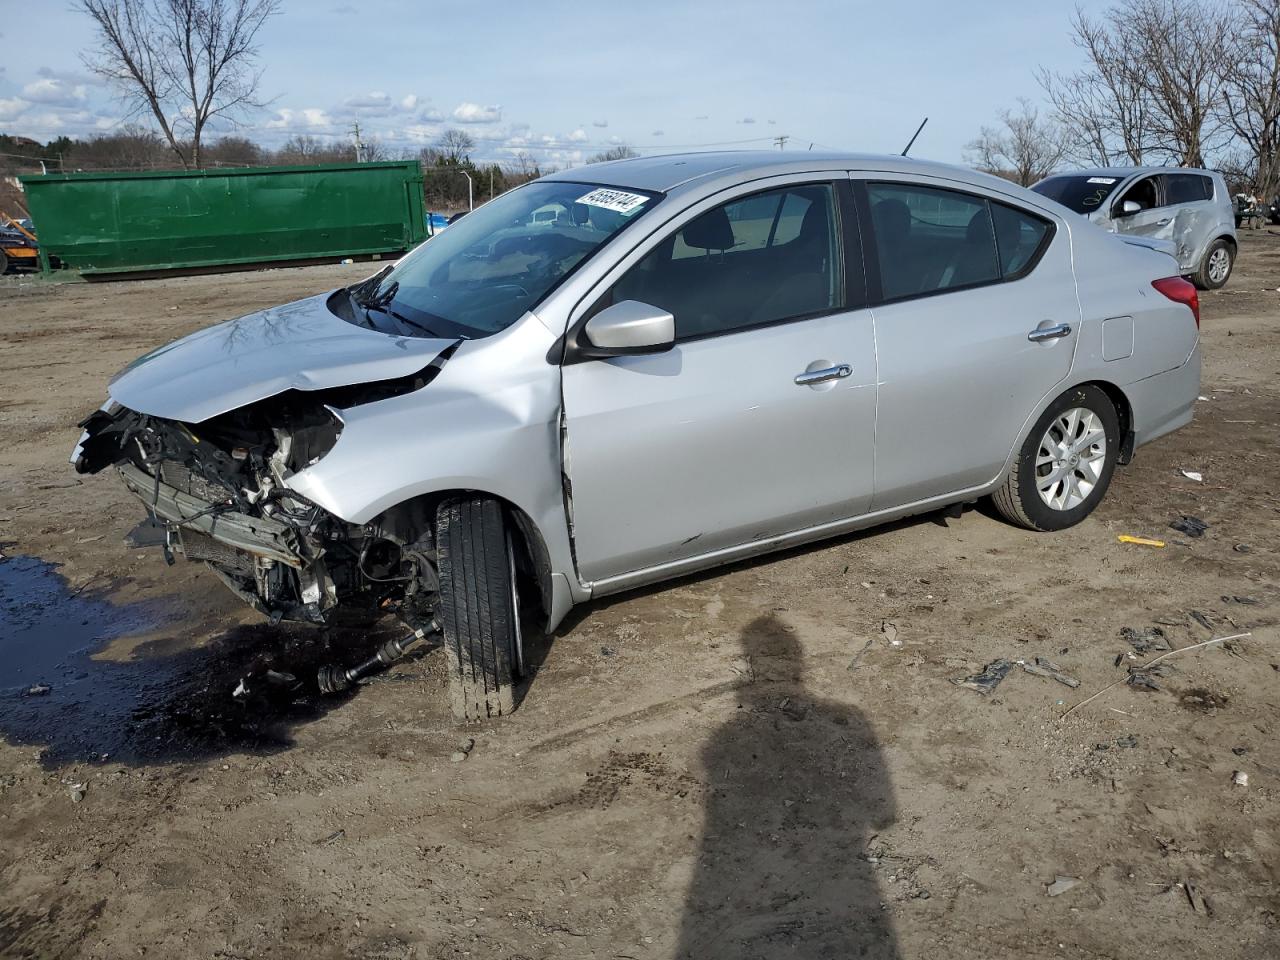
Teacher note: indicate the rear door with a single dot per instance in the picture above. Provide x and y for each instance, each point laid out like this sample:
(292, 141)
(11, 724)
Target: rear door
(761, 420)
(976, 318)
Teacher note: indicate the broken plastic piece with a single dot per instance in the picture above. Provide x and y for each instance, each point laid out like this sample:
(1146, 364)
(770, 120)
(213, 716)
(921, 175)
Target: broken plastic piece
(990, 677)
(1042, 667)
(1195, 475)
(1191, 526)
(1061, 885)
(1144, 640)
(1140, 541)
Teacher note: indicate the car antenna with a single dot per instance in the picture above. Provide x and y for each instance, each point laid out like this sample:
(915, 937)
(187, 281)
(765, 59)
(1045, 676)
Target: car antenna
(907, 148)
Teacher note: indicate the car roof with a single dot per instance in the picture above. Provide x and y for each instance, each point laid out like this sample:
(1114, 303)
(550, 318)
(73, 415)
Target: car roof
(668, 172)
(1122, 172)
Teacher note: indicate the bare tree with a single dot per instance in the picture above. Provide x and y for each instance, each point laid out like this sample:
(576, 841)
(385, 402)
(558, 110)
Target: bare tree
(1024, 149)
(187, 62)
(620, 152)
(1251, 92)
(456, 146)
(1152, 84)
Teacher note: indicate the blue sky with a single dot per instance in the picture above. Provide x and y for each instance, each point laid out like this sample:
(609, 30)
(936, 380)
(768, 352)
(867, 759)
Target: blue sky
(564, 80)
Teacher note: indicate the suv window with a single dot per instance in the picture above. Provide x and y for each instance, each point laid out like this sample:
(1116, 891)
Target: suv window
(1187, 188)
(1143, 193)
(761, 259)
(929, 240)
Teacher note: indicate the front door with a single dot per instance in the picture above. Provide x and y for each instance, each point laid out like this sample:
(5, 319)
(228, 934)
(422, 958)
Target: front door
(759, 422)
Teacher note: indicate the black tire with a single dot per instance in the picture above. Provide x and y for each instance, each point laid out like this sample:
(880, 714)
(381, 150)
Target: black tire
(477, 610)
(1019, 501)
(1201, 277)
(4, 262)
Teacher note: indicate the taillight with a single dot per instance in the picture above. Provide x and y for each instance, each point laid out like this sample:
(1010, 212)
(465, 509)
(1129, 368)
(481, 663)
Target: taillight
(1180, 291)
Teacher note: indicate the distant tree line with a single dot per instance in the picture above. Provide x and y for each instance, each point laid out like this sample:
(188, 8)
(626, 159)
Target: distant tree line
(1184, 82)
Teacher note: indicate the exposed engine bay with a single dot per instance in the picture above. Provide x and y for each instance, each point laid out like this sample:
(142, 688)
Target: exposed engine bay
(217, 492)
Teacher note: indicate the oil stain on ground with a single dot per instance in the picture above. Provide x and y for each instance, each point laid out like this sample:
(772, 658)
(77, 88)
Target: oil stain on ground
(171, 701)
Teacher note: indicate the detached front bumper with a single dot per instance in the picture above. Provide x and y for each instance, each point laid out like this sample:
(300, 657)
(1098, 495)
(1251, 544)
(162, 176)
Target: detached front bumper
(255, 536)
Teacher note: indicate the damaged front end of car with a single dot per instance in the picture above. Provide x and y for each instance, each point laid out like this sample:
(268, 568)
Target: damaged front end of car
(217, 491)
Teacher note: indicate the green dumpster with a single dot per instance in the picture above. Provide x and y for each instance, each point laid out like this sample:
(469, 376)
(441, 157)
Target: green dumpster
(115, 223)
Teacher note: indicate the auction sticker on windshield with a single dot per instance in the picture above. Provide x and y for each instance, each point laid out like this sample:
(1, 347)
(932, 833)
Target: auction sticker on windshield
(617, 200)
(1101, 180)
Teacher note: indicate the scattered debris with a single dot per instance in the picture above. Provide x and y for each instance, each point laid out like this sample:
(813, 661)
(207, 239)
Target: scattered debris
(1144, 640)
(1140, 541)
(743, 668)
(990, 677)
(331, 838)
(890, 631)
(1247, 601)
(1198, 903)
(1240, 778)
(608, 652)
(1191, 526)
(38, 690)
(463, 751)
(853, 664)
(1128, 742)
(241, 690)
(1193, 475)
(1061, 885)
(1144, 678)
(1152, 663)
(1242, 548)
(77, 792)
(1201, 619)
(1042, 667)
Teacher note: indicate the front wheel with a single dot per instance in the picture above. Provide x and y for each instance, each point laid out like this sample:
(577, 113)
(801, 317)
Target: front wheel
(1065, 465)
(478, 608)
(1216, 266)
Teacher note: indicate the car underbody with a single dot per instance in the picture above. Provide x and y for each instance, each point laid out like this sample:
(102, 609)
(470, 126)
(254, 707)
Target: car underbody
(217, 492)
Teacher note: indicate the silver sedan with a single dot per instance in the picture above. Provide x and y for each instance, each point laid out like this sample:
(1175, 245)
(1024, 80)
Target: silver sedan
(626, 372)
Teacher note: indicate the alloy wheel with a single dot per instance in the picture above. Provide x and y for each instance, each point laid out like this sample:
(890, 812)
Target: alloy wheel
(1070, 458)
(1219, 265)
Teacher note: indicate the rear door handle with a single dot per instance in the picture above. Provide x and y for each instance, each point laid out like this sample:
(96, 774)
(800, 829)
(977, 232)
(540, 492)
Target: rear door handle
(810, 377)
(1041, 334)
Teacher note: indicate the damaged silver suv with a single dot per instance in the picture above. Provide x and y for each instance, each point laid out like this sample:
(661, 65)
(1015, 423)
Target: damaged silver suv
(624, 373)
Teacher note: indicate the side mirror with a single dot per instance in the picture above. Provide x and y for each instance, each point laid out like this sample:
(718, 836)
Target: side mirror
(627, 328)
(1129, 208)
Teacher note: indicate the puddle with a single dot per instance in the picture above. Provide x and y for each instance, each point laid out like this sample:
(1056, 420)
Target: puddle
(171, 700)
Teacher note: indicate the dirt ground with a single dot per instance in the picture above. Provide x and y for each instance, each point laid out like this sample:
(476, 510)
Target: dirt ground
(767, 761)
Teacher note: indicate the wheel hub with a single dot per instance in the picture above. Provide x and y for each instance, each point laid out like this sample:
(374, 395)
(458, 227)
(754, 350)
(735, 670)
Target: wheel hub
(1070, 459)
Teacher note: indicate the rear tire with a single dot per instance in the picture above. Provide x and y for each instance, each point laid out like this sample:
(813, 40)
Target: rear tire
(478, 610)
(4, 262)
(1031, 497)
(1215, 266)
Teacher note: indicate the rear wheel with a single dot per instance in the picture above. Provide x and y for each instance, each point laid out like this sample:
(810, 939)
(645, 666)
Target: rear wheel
(479, 607)
(1216, 266)
(1066, 463)
(4, 262)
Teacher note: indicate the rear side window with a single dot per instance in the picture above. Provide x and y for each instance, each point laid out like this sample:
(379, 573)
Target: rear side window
(930, 240)
(1187, 188)
(762, 259)
(1019, 238)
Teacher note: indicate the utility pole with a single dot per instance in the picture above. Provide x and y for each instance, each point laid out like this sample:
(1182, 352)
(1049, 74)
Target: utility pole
(471, 204)
(491, 181)
(355, 132)
(781, 141)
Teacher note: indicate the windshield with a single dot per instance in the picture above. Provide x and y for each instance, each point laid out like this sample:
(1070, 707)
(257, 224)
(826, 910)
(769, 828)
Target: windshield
(481, 274)
(1083, 194)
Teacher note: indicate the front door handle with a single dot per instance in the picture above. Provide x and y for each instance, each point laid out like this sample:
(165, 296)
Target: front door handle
(810, 377)
(1041, 334)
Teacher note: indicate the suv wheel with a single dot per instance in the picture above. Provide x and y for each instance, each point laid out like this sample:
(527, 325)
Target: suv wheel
(479, 608)
(1065, 465)
(1216, 266)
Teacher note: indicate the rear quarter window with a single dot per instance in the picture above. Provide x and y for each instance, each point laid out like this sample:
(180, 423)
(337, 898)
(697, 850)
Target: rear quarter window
(1187, 188)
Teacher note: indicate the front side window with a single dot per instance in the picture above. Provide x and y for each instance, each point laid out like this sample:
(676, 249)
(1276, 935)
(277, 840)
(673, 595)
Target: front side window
(929, 240)
(761, 259)
(496, 263)
(1143, 193)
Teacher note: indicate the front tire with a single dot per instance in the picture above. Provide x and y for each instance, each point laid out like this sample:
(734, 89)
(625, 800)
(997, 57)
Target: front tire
(1215, 266)
(478, 608)
(1065, 464)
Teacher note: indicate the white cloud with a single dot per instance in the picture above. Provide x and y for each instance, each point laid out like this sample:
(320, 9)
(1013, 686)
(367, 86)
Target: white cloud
(308, 118)
(410, 102)
(55, 92)
(12, 108)
(376, 104)
(578, 136)
(468, 112)
(431, 115)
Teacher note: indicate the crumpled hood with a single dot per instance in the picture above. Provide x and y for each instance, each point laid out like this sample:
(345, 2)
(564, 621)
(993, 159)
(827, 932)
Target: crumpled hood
(298, 346)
